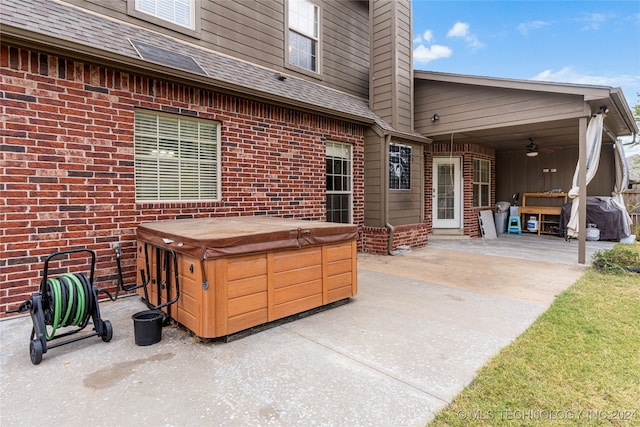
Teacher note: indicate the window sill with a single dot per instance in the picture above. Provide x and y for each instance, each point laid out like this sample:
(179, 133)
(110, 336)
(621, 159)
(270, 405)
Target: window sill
(304, 71)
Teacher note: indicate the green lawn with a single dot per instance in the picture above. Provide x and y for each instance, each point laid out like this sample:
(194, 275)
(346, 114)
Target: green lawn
(578, 364)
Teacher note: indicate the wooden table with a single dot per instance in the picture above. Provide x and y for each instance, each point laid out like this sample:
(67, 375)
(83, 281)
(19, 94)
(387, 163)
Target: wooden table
(548, 215)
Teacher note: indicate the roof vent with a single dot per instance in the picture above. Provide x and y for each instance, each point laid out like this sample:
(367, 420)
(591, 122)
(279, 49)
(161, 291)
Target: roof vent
(167, 57)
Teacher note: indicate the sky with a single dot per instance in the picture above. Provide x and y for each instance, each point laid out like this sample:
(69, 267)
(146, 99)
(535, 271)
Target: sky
(583, 42)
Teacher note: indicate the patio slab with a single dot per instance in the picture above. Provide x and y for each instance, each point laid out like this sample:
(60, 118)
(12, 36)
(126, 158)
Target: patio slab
(420, 327)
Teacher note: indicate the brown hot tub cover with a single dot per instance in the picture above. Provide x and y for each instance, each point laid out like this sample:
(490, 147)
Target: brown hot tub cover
(210, 238)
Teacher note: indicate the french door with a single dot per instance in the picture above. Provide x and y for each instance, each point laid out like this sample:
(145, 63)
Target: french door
(447, 193)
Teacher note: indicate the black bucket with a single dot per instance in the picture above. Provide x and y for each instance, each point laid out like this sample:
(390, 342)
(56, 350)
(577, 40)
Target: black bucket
(147, 327)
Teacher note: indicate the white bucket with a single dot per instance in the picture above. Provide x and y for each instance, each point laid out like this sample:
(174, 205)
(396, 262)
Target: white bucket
(532, 224)
(629, 240)
(593, 232)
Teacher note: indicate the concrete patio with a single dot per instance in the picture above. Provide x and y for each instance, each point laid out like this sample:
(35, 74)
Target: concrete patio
(420, 327)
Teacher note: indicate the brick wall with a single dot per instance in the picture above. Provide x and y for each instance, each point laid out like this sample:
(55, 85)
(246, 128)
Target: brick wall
(467, 152)
(375, 240)
(68, 168)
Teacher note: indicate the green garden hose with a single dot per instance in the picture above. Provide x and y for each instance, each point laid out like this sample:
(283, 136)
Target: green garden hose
(70, 302)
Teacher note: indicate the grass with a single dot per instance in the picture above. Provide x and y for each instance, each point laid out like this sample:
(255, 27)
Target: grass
(578, 364)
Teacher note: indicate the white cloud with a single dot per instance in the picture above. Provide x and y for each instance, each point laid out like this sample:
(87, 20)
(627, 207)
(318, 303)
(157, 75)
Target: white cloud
(630, 84)
(592, 20)
(427, 36)
(461, 30)
(569, 75)
(525, 27)
(427, 54)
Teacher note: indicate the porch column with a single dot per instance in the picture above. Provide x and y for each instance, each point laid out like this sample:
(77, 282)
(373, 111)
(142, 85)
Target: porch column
(582, 195)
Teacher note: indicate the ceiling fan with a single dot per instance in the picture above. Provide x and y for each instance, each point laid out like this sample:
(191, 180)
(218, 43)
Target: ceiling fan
(534, 149)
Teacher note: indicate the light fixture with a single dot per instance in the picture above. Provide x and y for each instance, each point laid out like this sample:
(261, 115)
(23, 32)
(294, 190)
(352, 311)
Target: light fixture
(435, 117)
(281, 77)
(532, 148)
(604, 110)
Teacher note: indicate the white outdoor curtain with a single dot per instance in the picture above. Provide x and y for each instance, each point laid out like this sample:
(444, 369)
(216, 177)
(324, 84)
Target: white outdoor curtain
(621, 184)
(594, 143)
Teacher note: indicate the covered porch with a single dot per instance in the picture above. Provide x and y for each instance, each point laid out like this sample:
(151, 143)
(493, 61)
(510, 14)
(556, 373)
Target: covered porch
(528, 135)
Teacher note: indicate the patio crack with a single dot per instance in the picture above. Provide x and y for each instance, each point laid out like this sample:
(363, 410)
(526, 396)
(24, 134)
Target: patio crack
(368, 366)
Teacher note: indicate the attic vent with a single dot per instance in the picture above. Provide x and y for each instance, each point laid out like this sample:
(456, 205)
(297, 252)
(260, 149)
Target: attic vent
(167, 57)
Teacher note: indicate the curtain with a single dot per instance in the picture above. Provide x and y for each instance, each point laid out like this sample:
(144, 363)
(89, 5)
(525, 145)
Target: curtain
(621, 184)
(594, 143)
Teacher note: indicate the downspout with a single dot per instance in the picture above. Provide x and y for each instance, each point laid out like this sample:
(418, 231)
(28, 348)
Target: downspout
(390, 241)
(385, 168)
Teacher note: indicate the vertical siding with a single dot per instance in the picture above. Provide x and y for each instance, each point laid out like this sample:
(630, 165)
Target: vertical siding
(345, 46)
(374, 182)
(391, 63)
(404, 71)
(254, 31)
(406, 206)
(517, 173)
(468, 107)
(382, 70)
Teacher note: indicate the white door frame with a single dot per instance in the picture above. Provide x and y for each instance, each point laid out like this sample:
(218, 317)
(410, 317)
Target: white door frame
(453, 218)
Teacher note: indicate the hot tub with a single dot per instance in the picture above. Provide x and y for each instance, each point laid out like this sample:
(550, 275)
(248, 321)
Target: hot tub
(237, 273)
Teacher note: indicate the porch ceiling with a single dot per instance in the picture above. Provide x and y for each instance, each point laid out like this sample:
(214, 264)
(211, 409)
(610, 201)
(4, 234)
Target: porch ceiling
(547, 135)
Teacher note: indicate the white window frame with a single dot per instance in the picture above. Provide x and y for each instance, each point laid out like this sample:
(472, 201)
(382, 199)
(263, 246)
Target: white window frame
(147, 10)
(296, 24)
(183, 172)
(333, 149)
(480, 182)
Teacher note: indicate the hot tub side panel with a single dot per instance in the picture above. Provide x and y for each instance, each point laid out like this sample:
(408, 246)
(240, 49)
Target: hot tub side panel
(222, 296)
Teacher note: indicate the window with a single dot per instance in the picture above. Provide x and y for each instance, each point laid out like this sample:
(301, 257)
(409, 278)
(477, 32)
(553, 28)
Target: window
(399, 167)
(176, 158)
(481, 183)
(180, 12)
(304, 29)
(182, 16)
(339, 177)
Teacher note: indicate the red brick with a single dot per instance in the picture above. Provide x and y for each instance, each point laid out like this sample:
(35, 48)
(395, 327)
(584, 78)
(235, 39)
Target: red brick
(81, 157)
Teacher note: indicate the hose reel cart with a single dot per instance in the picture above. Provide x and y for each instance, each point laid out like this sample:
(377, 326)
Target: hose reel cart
(68, 300)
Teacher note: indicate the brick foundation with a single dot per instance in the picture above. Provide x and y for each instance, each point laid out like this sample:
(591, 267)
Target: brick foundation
(375, 240)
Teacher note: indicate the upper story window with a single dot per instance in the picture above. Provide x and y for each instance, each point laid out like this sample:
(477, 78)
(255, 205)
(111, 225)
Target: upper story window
(304, 35)
(178, 15)
(177, 11)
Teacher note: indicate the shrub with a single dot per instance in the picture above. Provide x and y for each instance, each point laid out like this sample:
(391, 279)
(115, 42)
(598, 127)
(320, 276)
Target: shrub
(621, 258)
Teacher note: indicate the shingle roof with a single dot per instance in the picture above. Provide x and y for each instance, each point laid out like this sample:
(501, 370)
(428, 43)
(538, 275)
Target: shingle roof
(73, 25)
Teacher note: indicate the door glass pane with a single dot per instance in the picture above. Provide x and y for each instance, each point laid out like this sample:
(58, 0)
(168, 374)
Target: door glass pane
(446, 192)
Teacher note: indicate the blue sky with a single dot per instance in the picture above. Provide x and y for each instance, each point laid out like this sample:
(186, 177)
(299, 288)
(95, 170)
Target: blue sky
(584, 42)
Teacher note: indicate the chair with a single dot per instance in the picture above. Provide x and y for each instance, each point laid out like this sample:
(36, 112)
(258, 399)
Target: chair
(514, 225)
